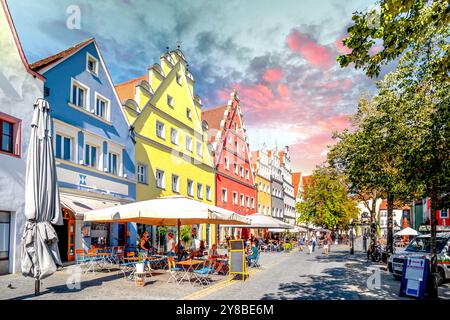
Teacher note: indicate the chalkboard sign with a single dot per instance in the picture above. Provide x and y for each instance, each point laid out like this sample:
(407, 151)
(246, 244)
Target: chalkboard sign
(237, 245)
(237, 263)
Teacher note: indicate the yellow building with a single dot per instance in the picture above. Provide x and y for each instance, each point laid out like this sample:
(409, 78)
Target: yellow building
(172, 157)
(261, 169)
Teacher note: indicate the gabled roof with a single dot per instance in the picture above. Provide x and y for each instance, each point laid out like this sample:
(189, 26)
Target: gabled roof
(127, 89)
(17, 42)
(51, 60)
(214, 116)
(281, 155)
(296, 181)
(306, 180)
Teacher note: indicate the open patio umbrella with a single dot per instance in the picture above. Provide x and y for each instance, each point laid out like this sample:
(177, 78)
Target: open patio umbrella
(407, 232)
(262, 221)
(404, 226)
(40, 254)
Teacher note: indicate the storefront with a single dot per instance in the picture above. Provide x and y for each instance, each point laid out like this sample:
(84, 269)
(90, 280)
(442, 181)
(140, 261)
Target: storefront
(5, 227)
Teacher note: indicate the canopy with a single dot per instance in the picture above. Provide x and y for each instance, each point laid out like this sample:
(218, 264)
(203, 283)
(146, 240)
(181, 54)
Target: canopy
(79, 205)
(262, 221)
(40, 254)
(166, 211)
(407, 232)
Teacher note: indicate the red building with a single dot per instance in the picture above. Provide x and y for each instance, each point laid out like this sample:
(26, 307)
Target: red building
(235, 184)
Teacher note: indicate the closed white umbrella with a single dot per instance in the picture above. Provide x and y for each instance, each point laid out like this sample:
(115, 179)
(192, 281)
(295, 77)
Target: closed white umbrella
(40, 254)
(408, 231)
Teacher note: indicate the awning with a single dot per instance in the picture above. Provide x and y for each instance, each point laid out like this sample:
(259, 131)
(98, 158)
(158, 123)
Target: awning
(167, 211)
(79, 205)
(262, 221)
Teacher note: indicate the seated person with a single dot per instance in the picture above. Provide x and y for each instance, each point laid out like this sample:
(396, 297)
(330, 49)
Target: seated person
(198, 253)
(144, 244)
(254, 254)
(212, 259)
(180, 251)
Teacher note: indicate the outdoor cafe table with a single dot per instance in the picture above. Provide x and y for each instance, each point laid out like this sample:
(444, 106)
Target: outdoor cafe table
(188, 267)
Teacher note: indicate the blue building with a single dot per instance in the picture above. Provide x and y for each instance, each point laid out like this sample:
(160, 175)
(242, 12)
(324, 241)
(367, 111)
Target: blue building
(92, 144)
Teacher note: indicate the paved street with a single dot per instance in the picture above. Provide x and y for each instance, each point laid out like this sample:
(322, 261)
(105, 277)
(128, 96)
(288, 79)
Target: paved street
(294, 275)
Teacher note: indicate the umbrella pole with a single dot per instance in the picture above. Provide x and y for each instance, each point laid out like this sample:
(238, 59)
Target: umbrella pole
(178, 244)
(37, 285)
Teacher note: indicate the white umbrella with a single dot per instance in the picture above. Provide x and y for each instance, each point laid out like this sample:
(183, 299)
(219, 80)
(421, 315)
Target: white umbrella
(262, 221)
(407, 232)
(40, 254)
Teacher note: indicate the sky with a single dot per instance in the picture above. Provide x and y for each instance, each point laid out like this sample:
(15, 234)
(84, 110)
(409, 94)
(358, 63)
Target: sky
(279, 55)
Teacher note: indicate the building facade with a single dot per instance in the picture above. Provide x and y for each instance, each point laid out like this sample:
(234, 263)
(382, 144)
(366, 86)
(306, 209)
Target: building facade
(93, 148)
(172, 157)
(261, 168)
(19, 88)
(235, 182)
(288, 187)
(276, 184)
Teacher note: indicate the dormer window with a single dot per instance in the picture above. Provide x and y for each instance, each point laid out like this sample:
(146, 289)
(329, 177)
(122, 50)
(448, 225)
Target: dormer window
(189, 113)
(92, 64)
(178, 76)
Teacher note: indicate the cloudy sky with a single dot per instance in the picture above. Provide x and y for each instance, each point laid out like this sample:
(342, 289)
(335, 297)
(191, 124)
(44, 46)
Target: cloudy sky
(279, 55)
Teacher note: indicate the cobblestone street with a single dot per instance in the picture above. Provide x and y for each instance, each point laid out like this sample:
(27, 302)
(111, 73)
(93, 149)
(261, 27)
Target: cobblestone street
(294, 275)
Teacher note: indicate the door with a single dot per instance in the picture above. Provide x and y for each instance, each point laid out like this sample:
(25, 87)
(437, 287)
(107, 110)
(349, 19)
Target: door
(5, 224)
(122, 234)
(63, 240)
(71, 240)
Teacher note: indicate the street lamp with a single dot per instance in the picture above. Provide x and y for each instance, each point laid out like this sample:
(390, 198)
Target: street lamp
(352, 238)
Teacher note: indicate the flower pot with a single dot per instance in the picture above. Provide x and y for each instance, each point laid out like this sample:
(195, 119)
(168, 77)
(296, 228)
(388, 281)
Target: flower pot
(140, 267)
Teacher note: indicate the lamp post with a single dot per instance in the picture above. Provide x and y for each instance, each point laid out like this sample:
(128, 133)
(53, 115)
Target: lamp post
(352, 238)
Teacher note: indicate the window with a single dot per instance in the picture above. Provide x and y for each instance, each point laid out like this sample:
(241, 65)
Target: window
(175, 183)
(160, 179)
(236, 146)
(236, 168)
(174, 136)
(170, 101)
(227, 163)
(190, 188)
(112, 163)
(188, 113)
(224, 195)
(247, 201)
(92, 64)
(235, 198)
(199, 191)
(63, 148)
(6, 137)
(247, 174)
(229, 139)
(444, 213)
(208, 193)
(199, 149)
(189, 143)
(160, 130)
(242, 172)
(142, 171)
(242, 200)
(79, 95)
(253, 203)
(101, 107)
(90, 156)
(178, 79)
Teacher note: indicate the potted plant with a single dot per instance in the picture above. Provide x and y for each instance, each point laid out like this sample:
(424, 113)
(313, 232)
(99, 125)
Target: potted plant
(140, 265)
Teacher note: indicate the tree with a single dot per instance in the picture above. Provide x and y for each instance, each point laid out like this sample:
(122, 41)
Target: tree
(370, 155)
(327, 202)
(377, 38)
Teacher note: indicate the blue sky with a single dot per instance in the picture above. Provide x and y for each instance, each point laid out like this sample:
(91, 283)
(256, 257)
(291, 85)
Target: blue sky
(280, 55)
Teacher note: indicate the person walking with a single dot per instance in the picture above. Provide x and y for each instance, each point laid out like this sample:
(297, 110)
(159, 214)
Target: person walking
(310, 246)
(330, 241)
(170, 251)
(326, 246)
(314, 243)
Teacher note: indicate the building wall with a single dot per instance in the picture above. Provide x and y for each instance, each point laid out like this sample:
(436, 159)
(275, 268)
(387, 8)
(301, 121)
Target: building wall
(277, 202)
(84, 127)
(264, 195)
(159, 153)
(18, 91)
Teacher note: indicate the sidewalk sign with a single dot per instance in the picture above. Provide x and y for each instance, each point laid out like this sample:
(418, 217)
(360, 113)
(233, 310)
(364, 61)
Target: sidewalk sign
(414, 277)
(238, 263)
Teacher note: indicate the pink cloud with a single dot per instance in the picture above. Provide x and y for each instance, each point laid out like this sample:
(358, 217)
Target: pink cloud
(314, 53)
(273, 75)
(341, 47)
(283, 90)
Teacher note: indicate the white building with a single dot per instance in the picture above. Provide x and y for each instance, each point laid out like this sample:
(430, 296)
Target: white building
(288, 187)
(19, 89)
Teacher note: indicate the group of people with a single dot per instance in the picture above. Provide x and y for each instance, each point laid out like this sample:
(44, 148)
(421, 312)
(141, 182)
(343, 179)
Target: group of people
(313, 241)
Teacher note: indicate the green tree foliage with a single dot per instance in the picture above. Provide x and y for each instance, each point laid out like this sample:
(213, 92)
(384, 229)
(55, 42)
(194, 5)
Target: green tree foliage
(327, 202)
(380, 36)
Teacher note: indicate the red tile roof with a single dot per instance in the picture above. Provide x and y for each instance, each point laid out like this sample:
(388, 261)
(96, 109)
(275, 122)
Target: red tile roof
(43, 63)
(127, 89)
(383, 206)
(214, 116)
(281, 154)
(296, 181)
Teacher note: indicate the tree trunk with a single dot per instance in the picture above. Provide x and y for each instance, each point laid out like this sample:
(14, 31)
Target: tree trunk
(390, 224)
(434, 205)
(373, 227)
